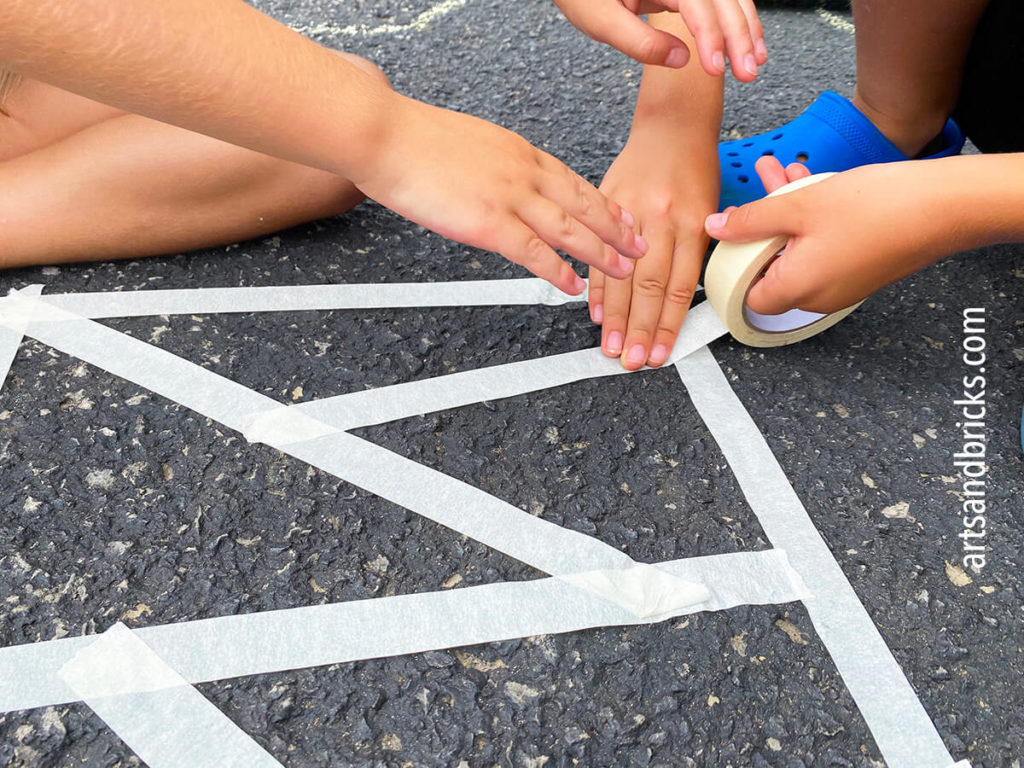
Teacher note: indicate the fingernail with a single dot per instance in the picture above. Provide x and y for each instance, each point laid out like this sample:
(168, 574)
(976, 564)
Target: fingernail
(637, 354)
(761, 49)
(626, 265)
(641, 244)
(716, 220)
(579, 285)
(627, 218)
(614, 343)
(658, 355)
(750, 63)
(718, 61)
(676, 58)
(597, 313)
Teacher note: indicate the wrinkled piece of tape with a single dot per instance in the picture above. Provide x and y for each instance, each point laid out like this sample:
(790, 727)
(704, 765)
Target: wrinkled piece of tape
(154, 710)
(336, 633)
(646, 591)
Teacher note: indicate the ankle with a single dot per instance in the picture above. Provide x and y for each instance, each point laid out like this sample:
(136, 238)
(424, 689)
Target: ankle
(910, 134)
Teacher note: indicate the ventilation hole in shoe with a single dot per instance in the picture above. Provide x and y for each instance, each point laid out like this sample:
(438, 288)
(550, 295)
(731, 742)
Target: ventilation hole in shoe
(737, 165)
(743, 179)
(776, 137)
(768, 153)
(802, 157)
(749, 144)
(733, 154)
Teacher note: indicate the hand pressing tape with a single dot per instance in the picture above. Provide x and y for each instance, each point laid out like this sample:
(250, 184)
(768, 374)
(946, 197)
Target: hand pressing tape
(733, 269)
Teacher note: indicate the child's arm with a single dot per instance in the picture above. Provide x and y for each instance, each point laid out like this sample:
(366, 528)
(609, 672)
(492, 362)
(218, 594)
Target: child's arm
(668, 176)
(868, 227)
(221, 68)
(721, 27)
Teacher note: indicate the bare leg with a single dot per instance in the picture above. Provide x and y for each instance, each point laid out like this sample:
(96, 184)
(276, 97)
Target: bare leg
(122, 186)
(910, 58)
(40, 114)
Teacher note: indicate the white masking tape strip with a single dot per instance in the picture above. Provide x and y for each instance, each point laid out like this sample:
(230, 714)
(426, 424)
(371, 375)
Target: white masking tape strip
(166, 722)
(413, 398)
(450, 502)
(295, 638)
(487, 519)
(162, 372)
(733, 268)
(201, 301)
(901, 727)
(12, 330)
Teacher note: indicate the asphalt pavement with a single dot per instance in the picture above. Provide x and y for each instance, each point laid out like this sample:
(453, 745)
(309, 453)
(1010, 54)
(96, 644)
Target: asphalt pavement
(121, 505)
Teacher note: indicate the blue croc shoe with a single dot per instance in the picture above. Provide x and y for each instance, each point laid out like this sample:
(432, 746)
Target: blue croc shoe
(831, 135)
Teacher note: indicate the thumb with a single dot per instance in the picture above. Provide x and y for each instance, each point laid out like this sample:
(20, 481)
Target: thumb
(780, 290)
(633, 36)
(763, 218)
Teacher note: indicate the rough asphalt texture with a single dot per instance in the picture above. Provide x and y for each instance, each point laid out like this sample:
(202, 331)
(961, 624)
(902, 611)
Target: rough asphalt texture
(120, 505)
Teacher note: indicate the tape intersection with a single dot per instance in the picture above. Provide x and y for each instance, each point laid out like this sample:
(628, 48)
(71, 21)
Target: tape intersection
(315, 432)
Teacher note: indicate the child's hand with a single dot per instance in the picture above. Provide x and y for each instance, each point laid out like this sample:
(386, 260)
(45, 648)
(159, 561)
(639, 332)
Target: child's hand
(475, 182)
(670, 194)
(721, 28)
(851, 234)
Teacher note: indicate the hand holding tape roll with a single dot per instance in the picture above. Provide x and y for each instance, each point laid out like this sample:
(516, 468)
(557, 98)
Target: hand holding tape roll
(735, 267)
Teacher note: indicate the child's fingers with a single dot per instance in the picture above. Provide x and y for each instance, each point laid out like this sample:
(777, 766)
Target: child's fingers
(595, 296)
(795, 171)
(702, 21)
(581, 200)
(756, 30)
(624, 30)
(523, 246)
(738, 40)
(781, 289)
(772, 174)
(649, 283)
(560, 230)
(767, 217)
(682, 284)
(617, 295)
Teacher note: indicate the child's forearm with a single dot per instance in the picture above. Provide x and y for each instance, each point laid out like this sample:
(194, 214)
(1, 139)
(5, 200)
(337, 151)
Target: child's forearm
(214, 66)
(990, 197)
(686, 101)
(678, 117)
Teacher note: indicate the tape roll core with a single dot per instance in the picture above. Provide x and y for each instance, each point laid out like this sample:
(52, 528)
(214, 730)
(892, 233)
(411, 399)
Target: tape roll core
(732, 271)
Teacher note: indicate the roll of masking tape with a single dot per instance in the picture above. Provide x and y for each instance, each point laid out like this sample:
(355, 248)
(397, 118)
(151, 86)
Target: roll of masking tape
(733, 269)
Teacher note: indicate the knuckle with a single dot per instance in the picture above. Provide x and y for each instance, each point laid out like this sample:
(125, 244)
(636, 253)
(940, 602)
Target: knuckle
(667, 333)
(680, 294)
(584, 202)
(742, 216)
(649, 287)
(566, 226)
(535, 251)
(660, 205)
(647, 48)
(615, 319)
